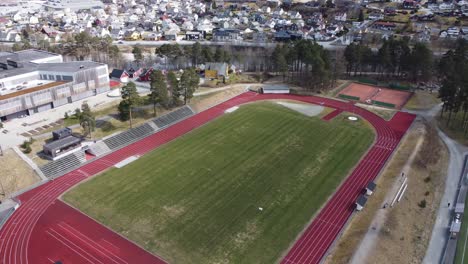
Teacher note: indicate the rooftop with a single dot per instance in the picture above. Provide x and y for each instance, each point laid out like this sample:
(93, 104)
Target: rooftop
(62, 143)
(71, 66)
(30, 90)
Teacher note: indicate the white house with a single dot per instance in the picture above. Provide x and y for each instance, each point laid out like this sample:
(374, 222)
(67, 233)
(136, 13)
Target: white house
(341, 16)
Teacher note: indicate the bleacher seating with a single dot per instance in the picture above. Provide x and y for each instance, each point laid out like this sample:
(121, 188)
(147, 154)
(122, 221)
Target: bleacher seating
(63, 165)
(173, 117)
(99, 148)
(129, 136)
(67, 163)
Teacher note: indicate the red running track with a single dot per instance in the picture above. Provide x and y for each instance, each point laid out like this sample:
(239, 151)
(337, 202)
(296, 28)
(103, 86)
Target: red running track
(43, 229)
(332, 115)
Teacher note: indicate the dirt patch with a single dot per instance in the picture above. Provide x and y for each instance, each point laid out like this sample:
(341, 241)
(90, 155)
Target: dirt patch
(15, 174)
(407, 227)
(203, 102)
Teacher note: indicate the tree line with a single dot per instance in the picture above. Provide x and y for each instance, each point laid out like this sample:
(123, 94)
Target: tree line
(394, 59)
(453, 76)
(303, 62)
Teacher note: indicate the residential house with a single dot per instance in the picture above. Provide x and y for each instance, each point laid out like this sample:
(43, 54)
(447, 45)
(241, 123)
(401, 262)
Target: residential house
(216, 70)
(410, 4)
(453, 32)
(134, 70)
(382, 25)
(284, 35)
(132, 35)
(146, 75)
(50, 32)
(224, 34)
(340, 16)
(194, 35)
(170, 35)
(151, 36)
(10, 36)
(117, 33)
(376, 16)
(120, 75)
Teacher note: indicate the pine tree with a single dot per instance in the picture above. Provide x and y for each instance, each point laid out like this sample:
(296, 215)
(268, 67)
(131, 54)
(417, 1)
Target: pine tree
(189, 83)
(130, 99)
(158, 90)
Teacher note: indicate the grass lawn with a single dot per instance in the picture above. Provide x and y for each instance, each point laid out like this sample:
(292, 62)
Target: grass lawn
(462, 244)
(197, 199)
(422, 100)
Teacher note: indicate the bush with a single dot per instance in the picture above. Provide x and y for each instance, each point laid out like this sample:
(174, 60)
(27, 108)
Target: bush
(427, 193)
(27, 149)
(427, 179)
(1, 125)
(66, 115)
(26, 146)
(422, 203)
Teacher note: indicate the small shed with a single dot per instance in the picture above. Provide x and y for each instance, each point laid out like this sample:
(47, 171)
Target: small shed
(370, 188)
(274, 89)
(361, 202)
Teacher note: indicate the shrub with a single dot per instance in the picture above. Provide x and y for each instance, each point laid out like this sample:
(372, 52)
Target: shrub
(66, 115)
(27, 149)
(427, 193)
(422, 203)
(427, 179)
(25, 144)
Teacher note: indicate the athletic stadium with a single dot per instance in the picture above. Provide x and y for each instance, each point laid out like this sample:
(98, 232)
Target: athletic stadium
(259, 178)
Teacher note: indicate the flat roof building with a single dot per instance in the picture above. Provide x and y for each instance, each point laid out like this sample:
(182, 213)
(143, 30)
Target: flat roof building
(33, 81)
(62, 145)
(361, 202)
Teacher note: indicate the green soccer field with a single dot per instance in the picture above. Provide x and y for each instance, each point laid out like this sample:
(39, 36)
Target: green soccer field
(197, 199)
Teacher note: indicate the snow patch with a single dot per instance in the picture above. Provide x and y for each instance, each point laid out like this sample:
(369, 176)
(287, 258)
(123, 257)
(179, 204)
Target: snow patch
(126, 161)
(305, 109)
(232, 109)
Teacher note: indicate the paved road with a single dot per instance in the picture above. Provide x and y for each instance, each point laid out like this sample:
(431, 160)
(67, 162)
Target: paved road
(326, 45)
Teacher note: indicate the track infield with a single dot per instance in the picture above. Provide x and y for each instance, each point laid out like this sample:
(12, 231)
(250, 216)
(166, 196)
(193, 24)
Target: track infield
(198, 198)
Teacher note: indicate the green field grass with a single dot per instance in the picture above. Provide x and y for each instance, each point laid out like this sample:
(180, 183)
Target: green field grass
(461, 255)
(197, 199)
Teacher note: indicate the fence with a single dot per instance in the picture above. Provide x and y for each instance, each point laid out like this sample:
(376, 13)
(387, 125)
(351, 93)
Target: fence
(379, 103)
(349, 97)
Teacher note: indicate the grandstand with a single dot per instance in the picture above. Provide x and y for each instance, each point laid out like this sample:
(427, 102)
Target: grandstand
(173, 117)
(74, 160)
(98, 149)
(63, 165)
